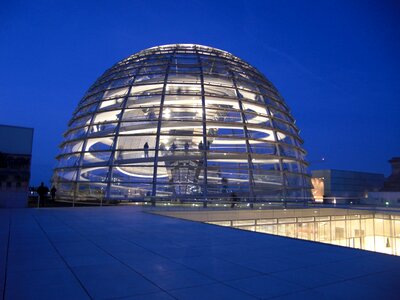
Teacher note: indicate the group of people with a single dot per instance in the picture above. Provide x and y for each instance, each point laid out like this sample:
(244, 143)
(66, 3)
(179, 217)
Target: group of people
(43, 192)
(206, 147)
(174, 147)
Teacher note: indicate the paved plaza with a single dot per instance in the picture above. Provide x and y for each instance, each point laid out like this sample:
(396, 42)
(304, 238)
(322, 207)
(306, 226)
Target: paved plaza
(128, 253)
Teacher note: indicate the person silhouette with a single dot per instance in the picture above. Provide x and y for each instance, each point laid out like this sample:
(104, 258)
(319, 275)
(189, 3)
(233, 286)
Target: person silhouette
(224, 182)
(146, 150)
(234, 199)
(173, 147)
(53, 193)
(42, 191)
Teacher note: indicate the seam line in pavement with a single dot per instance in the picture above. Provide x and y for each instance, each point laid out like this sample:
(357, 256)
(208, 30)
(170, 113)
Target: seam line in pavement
(55, 248)
(8, 248)
(121, 262)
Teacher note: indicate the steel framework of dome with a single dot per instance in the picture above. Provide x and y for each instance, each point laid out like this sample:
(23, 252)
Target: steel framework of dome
(181, 122)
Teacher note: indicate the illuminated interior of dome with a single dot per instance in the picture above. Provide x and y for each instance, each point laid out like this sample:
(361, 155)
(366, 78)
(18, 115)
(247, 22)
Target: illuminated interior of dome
(181, 122)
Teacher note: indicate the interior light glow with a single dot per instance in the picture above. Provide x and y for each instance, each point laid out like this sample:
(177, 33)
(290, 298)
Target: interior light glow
(164, 137)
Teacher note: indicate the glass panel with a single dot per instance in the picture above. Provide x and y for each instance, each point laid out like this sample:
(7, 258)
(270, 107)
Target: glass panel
(294, 179)
(223, 115)
(280, 115)
(76, 134)
(141, 114)
(130, 191)
(101, 129)
(68, 161)
(144, 101)
(136, 143)
(284, 138)
(65, 189)
(260, 133)
(133, 173)
(150, 78)
(107, 116)
(184, 78)
(148, 89)
(121, 82)
(262, 147)
(222, 103)
(96, 157)
(91, 191)
(65, 175)
(99, 144)
(218, 80)
(98, 174)
(288, 151)
(219, 91)
(249, 95)
(140, 129)
(290, 165)
(115, 93)
(72, 147)
(254, 118)
(182, 114)
(111, 104)
(183, 100)
(81, 121)
(188, 89)
(179, 190)
(86, 109)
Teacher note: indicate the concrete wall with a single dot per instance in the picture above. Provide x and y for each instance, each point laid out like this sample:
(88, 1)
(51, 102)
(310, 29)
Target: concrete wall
(15, 164)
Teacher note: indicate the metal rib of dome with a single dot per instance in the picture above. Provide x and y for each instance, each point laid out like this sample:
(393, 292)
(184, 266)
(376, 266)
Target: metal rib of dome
(181, 122)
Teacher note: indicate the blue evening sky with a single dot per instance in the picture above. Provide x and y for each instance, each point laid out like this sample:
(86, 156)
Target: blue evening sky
(336, 63)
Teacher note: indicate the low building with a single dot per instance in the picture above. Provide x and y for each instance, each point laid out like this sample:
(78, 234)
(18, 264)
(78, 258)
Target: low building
(389, 195)
(15, 165)
(392, 183)
(344, 187)
(382, 199)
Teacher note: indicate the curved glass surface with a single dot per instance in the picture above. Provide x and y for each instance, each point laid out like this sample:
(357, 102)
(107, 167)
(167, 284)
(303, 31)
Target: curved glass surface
(181, 122)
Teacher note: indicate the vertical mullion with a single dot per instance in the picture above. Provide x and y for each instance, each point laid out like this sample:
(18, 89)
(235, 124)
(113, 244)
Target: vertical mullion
(278, 149)
(204, 123)
(85, 139)
(116, 137)
(246, 135)
(155, 167)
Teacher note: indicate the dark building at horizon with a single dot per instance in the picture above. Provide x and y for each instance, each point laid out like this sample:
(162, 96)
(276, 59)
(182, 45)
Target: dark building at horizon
(392, 183)
(15, 165)
(342, 186)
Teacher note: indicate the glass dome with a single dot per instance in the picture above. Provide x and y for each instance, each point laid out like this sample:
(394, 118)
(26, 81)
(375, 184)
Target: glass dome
(181, 122)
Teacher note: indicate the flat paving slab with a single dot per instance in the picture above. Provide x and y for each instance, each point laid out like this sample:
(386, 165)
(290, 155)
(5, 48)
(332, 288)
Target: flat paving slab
(128, 253)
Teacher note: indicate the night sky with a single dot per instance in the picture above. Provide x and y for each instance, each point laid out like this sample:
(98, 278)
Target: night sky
(337, 64)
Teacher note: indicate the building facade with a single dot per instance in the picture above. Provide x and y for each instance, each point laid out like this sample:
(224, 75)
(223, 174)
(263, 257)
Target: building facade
(340, 186)
(181, 122)
(389, 195)
(15, 165)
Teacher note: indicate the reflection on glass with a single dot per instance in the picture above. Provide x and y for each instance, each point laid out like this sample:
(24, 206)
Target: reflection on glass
(373, 232)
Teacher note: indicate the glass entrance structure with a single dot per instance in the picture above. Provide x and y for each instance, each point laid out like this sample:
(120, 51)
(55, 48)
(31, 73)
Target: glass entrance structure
(184, 122)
